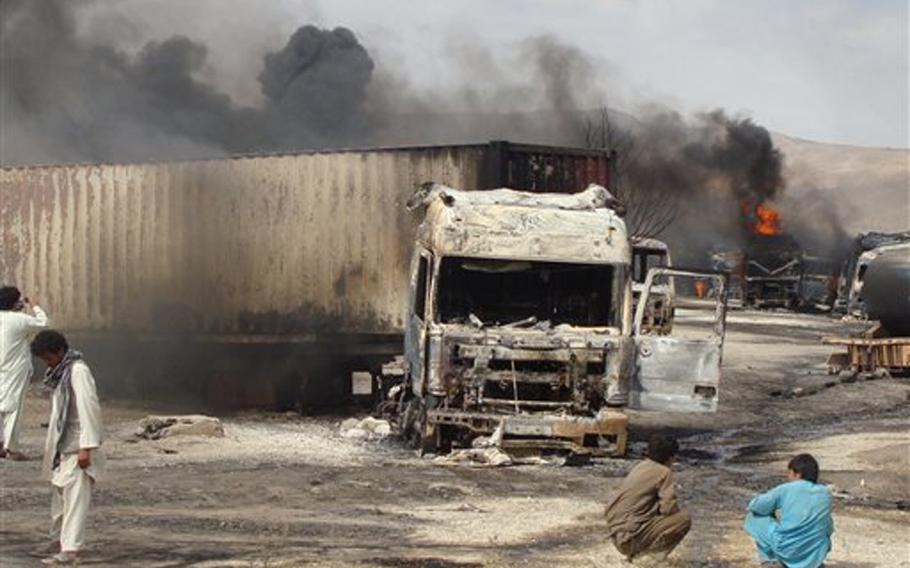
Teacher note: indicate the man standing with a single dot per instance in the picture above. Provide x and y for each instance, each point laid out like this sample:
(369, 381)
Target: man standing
(644, 517)
(16, 327)
(73, 459)
(792, 523)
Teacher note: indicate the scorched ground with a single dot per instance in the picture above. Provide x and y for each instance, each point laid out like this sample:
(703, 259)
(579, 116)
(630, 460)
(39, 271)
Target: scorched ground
(284, 490)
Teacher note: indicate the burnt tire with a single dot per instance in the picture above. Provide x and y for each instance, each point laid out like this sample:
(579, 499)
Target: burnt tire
(428, 443)
(408, 420)
(428, 436)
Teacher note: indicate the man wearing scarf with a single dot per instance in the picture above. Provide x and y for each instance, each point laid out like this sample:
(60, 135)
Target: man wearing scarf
(73, 459)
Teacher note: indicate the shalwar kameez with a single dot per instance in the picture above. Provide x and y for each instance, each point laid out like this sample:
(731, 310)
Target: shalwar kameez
(75, 424)
(16, 329)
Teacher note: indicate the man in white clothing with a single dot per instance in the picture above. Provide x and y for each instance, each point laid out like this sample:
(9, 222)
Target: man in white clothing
(16, 328)
(73, 460)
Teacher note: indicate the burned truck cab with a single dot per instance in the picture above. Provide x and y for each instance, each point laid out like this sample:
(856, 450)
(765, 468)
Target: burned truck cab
(520, 321)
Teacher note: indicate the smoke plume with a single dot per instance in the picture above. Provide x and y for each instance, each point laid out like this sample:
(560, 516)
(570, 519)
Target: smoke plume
(69, 98)
(66, 99)
(677, 172)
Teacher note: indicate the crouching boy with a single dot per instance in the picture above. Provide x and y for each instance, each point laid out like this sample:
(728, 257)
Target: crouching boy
(73, 460)
(644, 517)
(792, 523)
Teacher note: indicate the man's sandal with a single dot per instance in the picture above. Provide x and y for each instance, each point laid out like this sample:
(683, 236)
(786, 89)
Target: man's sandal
(62, 559)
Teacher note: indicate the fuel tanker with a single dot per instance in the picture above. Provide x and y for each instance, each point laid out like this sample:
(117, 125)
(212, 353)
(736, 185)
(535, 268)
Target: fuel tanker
(886, 288)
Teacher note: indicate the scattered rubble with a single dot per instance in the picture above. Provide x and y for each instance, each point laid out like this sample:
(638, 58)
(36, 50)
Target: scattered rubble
(479, 457)
(843, 377)
(282, 489)
(486, 451)
(156, 427)
(368, 428)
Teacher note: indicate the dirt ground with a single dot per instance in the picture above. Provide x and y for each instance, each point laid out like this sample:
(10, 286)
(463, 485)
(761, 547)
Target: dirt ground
(286, 490)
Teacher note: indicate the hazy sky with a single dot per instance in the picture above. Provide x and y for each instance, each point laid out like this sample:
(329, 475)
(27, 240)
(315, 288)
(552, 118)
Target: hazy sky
(828, 70)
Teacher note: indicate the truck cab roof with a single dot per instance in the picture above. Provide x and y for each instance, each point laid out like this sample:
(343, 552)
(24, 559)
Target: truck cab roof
(506, 224)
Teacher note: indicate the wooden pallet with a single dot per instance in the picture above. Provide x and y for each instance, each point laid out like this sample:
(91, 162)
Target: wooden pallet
(869, 354)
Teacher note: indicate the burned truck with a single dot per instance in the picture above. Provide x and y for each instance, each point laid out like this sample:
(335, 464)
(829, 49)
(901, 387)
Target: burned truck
(772, 271)
(520, 326)
(273, 281)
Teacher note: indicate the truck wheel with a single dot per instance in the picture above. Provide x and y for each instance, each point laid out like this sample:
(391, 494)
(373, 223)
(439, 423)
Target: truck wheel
(428, 435)
(429, 442)
(407, 420)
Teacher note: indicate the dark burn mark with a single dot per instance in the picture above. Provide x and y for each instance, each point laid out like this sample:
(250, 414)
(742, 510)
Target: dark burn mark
(342, 282)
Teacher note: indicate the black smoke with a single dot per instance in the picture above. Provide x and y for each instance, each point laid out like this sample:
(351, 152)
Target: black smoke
(742, 150)
(316, 89)
(693, 178)
(696, 181)
(68, 99)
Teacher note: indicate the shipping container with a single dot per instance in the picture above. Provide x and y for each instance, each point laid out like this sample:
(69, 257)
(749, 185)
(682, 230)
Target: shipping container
(293, 249)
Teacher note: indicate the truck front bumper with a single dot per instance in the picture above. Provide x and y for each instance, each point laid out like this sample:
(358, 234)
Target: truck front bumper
(542, 431)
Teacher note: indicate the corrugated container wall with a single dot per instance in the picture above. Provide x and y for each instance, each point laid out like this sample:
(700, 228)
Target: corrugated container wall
(286, 244)
(251, 245)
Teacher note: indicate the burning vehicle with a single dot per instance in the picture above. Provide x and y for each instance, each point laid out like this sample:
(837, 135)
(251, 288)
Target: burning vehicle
(772, 263)
(773, 270)
(521, 326)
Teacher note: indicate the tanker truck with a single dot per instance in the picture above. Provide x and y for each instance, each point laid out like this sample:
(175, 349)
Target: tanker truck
(520, 326)
(882, 284)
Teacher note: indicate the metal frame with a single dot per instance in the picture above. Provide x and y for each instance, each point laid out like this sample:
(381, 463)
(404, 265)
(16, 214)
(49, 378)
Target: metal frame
(536, 431)
(722, 278)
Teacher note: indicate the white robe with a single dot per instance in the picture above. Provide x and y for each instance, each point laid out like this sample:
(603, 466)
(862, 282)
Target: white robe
(84, 429)
(72, 484)
(16, 329)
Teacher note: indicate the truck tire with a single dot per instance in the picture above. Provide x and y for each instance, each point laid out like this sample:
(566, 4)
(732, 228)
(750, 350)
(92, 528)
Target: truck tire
(428, 436)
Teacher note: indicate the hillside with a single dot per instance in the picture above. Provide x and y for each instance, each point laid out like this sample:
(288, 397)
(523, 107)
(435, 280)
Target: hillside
(870, 186)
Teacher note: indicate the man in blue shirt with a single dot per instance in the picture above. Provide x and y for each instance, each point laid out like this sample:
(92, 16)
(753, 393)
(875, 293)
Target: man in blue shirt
(792, 523)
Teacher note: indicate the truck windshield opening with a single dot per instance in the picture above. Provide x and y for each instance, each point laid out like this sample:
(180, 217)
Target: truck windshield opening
(523, 293)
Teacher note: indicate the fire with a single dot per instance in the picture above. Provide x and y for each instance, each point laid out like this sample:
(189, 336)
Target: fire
(768, 220)
(761, 219)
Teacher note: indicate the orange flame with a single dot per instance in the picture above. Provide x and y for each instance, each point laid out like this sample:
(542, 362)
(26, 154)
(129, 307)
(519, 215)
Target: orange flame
(768, 220)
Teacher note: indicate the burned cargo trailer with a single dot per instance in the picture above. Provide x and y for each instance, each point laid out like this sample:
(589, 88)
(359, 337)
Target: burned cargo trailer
(244, 279)
(520, 325)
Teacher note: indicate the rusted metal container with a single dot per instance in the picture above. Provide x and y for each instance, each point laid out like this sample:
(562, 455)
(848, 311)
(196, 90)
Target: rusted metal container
(308, 249)
(263, 245)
